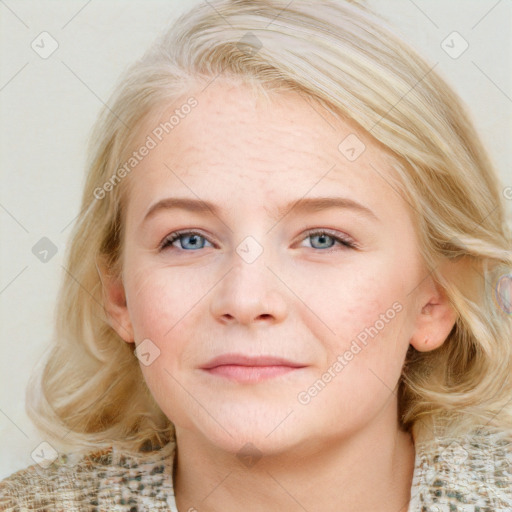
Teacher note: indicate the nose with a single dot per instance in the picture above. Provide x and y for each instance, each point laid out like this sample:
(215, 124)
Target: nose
(249, 293)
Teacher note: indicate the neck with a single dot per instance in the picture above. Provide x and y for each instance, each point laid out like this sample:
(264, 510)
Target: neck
(371, 469)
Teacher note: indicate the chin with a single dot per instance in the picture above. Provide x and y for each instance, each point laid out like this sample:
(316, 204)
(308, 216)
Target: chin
(265, 434)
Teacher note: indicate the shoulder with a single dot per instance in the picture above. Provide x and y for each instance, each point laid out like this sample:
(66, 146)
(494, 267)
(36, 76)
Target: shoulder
(104, 479)
(37, 487)
(474, 470)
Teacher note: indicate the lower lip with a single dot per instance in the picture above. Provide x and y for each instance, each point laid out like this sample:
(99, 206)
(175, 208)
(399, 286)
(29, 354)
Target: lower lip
(250, 373)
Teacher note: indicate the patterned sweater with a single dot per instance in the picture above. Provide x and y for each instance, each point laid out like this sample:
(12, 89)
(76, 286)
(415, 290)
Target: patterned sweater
(471, 473)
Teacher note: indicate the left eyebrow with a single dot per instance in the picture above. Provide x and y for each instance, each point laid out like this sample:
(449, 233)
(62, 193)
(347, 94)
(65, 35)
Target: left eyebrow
(316, 204)
(304, 205)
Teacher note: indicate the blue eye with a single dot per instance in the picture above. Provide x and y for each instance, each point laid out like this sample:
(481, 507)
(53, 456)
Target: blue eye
(324, 238)
(189, 240)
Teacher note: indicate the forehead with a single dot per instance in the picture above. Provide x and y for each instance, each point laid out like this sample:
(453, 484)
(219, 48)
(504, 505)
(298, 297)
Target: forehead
(235, 143)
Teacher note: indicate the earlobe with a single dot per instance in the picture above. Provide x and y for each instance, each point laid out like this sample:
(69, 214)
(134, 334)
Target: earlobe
(434, 323)
(114, 302)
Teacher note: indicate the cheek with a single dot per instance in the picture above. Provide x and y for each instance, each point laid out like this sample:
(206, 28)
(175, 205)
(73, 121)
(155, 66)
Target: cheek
(159, 298)
(366, 312)
(354, 296)
(149, 301)
(364, 358)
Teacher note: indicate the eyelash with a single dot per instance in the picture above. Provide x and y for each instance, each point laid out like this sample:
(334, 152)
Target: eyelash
(344, 241)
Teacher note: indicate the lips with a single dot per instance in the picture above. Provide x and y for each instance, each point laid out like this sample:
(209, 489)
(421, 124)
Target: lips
(252, 361)
(247, 370)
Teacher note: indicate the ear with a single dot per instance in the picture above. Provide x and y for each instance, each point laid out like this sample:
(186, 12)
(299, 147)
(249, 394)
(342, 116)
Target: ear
(114, 302)
(435, 318)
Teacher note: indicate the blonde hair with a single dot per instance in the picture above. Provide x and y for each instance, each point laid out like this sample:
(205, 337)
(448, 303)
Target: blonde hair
(91, 393)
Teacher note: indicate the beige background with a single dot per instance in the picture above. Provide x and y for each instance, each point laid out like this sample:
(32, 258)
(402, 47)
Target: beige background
(49, 105)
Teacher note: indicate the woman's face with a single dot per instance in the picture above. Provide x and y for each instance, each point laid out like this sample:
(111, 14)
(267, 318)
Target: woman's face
(258, 279)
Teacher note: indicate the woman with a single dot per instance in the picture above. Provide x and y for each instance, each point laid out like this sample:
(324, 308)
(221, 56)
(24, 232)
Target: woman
(288, 286)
